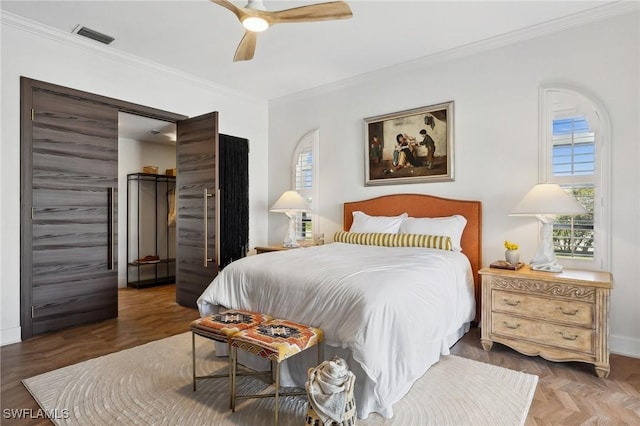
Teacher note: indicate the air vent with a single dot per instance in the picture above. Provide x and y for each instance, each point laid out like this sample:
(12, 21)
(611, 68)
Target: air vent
(93, 34)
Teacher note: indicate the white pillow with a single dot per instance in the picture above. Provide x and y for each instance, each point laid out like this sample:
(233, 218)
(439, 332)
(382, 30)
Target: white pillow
(362, 222)
(449, 226)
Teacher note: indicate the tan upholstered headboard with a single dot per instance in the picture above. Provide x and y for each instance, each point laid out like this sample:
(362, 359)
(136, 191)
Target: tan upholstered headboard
(419, 205)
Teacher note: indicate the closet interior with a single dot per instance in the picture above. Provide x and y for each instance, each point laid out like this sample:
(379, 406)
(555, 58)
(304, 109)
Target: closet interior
(147, 195)
(151, 229)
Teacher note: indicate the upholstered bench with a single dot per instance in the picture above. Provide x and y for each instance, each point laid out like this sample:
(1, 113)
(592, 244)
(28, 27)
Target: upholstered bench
(221, 327)
(275, 340)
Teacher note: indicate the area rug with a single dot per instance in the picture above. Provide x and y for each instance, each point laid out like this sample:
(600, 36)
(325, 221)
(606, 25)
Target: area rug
(151, 385)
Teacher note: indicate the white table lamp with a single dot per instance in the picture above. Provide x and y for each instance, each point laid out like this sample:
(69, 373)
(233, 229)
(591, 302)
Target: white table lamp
(546, 201)
(290, 203)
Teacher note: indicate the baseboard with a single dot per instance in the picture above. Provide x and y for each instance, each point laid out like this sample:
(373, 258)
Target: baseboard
(10, 335)
(626, 346)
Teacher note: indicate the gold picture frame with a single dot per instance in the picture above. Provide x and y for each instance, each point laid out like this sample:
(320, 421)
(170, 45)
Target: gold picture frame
(411, 146)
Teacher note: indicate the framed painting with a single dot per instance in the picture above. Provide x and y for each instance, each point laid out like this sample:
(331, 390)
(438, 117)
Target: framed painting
(410, 146)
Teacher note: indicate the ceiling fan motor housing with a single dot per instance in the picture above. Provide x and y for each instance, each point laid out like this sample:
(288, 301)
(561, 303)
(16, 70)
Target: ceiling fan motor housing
(255, 5)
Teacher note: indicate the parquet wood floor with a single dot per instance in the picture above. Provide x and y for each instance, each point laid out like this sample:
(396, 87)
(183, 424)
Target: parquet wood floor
(567, 393)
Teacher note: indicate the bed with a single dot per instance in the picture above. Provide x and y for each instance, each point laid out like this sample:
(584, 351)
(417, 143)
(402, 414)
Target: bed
(389, 311)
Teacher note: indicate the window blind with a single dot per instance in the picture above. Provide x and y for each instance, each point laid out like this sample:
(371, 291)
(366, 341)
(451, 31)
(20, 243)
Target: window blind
(574, 170)
(304, 186)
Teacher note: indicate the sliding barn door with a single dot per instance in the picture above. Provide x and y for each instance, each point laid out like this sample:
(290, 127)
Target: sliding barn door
(69, 172)
(196, 160)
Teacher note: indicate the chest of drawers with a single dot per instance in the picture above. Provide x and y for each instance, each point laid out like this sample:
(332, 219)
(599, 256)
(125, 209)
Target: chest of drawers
(558, 316)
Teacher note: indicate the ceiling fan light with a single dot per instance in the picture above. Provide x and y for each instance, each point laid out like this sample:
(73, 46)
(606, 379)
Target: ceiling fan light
(255, 24)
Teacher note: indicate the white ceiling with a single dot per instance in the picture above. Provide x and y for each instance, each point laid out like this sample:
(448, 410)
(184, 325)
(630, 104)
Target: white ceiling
(199, 38)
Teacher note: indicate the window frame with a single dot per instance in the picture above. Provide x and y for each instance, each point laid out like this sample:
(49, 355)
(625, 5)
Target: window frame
(583, 104)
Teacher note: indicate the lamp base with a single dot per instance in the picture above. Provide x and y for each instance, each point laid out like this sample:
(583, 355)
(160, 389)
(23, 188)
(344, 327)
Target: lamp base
(290, 240)
(545, 257)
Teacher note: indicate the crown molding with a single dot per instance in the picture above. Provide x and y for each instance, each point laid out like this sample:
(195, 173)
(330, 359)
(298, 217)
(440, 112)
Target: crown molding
(595, 14)
(54, 34)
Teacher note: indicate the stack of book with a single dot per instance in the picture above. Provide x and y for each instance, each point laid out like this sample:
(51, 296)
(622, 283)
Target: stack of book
(503, 264)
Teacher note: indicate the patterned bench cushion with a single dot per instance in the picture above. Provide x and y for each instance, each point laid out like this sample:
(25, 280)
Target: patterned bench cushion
(226, 324)
(277, 339)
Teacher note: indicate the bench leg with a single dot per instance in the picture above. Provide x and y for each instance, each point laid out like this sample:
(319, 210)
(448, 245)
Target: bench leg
(232, 377)
(232, 366)
(193, 358)
(277, 396)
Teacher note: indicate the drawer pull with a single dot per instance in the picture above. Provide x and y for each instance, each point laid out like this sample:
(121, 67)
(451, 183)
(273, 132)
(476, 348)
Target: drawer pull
(575, 311)
(511, 302)
(568, 336)
(511, 326)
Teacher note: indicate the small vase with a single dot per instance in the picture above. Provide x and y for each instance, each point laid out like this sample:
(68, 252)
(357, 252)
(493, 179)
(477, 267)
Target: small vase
(512, 256)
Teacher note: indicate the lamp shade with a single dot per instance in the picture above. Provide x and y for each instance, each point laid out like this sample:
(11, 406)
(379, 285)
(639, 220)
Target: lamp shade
(290, 201)
(547, 199)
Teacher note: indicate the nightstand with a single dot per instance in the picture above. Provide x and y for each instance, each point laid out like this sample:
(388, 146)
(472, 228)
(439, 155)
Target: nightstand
(559, 316)
(267, 249)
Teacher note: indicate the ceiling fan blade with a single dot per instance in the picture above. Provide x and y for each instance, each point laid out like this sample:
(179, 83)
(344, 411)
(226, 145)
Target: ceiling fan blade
(238, 11)
(247, 47)
(313, 12)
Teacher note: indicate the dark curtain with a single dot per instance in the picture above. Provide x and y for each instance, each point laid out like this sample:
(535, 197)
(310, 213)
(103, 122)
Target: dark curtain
(234, 198)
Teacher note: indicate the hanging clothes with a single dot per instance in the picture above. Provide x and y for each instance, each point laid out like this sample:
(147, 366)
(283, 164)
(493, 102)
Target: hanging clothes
(171, 198)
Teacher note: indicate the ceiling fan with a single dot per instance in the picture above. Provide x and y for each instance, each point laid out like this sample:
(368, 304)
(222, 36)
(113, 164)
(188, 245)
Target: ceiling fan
(255, 18)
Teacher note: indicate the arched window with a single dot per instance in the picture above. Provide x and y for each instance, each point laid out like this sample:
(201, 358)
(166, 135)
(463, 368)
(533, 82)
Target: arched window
(304, 175)
(574, 153)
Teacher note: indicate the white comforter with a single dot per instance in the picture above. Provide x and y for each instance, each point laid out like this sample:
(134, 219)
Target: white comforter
(393, 309)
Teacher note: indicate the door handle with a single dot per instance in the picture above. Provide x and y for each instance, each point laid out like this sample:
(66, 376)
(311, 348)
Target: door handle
(111, 257)
(207, 259)
(218, 199)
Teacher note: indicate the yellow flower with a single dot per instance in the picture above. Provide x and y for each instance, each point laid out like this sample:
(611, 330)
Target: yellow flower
(510, 246)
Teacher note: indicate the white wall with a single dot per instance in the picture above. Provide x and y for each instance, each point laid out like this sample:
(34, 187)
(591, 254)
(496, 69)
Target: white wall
(496, 139)
(54, 57)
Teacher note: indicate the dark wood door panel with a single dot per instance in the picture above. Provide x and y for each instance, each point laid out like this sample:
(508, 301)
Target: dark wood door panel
(75, 111)
(57, 157)
(49, 297)
(73, 300)
(91, 201)
(86, 233)
(197, 140)
(57, 167)
(69, 165)
(65, 138)
(74, 167)
(58, 322)
(62, 262)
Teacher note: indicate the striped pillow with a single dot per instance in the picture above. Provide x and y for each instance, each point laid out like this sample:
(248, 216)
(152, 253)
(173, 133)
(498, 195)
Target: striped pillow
(440, 242)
